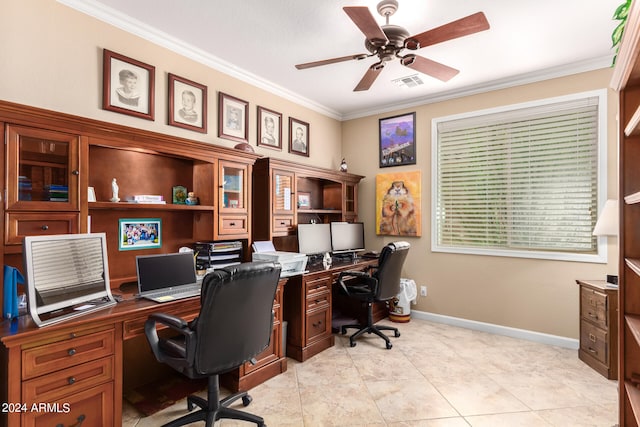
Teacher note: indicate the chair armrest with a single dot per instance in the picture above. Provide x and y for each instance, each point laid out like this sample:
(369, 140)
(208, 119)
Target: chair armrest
(172, 322)
(364, 276)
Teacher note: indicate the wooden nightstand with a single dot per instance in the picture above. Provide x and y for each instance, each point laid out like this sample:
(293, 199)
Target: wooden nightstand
(599, 327)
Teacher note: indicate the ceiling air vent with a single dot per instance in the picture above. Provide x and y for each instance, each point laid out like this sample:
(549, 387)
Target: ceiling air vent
(408, 81)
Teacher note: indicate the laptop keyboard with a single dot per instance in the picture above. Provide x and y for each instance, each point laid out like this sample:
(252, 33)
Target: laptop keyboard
(186, 293)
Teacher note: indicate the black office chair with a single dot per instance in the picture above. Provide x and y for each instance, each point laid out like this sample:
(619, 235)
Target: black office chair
(234, 326)
(382, 285)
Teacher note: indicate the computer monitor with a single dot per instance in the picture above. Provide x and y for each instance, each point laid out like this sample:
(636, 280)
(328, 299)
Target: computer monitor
(347, 237)
(66, 275)
(314, 239)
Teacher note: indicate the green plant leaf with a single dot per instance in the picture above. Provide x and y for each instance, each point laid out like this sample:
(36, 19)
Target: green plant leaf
(616, 36)
(622, 11)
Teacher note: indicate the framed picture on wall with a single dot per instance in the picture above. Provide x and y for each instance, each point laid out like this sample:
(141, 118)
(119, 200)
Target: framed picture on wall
(398, 204)
(139, 233)
(128, 86)
(397, 140)
(187, 104)
(298, 137)
(269, 128)
(233, 118)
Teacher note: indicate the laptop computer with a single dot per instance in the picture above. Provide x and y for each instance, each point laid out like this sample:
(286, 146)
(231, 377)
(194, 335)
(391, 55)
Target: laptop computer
(167, 277)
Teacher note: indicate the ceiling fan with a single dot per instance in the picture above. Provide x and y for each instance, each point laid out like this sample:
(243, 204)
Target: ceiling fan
(388, 42)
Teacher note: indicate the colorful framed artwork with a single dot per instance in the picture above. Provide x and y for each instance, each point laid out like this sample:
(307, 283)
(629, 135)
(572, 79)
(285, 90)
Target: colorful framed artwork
(398, 204)
(128, 86)
(398, 140)
(179, 195)
(269, 128)
(140, 233)
(233, 118)
(298, 137)
(304, 200)
(187, 104)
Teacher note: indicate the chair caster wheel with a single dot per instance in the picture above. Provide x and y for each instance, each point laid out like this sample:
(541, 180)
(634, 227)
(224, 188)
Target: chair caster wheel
(352, 344)
(396, 334)
(389, 345)
(246, 400)
(343, 330)
(190, 405)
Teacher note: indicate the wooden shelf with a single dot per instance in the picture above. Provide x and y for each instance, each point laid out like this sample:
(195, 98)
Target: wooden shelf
(632, 128)
(633, 323)
(149, 206)
(631, 199)
(633, 394)
(320, 211)
(633, 264)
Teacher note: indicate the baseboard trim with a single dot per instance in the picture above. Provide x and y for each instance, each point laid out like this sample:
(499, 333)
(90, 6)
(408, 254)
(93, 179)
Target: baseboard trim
(524, 334)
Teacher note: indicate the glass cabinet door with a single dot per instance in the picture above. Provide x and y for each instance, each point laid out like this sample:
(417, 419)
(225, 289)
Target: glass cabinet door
(350, 202)
(283, 192)
(42, 169)
(233, 187)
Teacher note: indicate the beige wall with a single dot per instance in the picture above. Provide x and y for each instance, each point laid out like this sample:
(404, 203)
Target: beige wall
(536, 295)
(52, 58)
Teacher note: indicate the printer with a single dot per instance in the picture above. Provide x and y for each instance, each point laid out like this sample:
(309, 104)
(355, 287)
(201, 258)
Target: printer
(292, 262)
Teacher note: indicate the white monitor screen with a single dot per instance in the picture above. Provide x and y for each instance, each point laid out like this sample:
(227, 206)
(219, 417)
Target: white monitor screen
(314, 238)
(347, 236)
(66, 275)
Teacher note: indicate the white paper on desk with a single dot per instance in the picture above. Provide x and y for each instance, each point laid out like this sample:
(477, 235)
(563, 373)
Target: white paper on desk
(264, 246)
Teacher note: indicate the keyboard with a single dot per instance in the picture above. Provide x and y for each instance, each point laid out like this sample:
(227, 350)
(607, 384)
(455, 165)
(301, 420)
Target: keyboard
(173, 294)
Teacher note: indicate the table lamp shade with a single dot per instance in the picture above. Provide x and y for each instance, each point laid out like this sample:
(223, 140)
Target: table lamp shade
(607, 224)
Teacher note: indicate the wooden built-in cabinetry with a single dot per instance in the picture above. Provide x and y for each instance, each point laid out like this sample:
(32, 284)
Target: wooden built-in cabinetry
(626, 80)
(277, 184)
(599, 327)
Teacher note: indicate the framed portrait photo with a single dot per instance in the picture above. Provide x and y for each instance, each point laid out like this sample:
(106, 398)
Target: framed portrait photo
(127, 86)
(187, 104)
(298, 137)
(139, 233)
(398, 140)
(233, 118)
(269, 128)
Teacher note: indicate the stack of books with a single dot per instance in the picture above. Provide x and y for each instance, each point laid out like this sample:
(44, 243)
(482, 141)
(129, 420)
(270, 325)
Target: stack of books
(24, 188)
(57, 193)
(147, 198)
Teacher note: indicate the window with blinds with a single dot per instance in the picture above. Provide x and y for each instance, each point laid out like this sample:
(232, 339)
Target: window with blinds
(521, 181)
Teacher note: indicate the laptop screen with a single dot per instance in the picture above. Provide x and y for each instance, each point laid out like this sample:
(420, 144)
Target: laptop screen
(165, 271)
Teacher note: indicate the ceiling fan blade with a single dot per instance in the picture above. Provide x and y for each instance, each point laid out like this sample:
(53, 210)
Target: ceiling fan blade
(429, 67)
(369, 77)
(330, 61)
(362, 17)
(462, 27)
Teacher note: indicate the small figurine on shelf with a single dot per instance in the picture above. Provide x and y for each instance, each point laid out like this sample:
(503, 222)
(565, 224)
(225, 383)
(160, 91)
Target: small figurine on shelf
(343, 165)
(114, 191)
(191, 198)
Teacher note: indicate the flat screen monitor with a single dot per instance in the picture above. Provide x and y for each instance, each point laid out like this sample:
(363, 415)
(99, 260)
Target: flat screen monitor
(347, 237)
(314, 239)
(67, 275)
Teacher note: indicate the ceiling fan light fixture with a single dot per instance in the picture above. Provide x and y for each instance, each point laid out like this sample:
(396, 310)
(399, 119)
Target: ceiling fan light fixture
(408, 60)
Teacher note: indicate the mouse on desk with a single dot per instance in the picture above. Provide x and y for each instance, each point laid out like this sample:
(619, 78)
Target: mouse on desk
(371, 254)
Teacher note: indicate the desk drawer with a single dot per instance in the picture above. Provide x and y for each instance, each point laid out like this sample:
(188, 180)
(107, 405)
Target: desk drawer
(20, 224)
(48, 388)
(282, 224)
(233, 224)
(593, 306)
(53, 357)
(89, 408)
(318, 300)
(188, 309)
(270, 353)
(318, 286)
(593, 341)
(318, 325)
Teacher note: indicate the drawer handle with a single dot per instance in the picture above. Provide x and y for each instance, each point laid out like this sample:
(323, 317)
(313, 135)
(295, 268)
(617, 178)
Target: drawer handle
(71, 351)
(71, 380)
(72, 335)
(591, 350)
(75, 172)
(317, 324)
(232, 224)
(45, 227)
(594, 316)
(592, 337)
(80, 420)
(281, 222)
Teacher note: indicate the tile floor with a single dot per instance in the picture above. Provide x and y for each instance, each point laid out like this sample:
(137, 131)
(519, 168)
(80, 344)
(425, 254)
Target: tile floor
(434, 376)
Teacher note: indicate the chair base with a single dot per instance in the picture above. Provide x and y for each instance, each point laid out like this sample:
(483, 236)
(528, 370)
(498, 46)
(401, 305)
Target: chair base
(213, 409)
(370, 329)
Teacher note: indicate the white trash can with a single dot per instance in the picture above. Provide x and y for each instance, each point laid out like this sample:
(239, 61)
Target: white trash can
(400, 306)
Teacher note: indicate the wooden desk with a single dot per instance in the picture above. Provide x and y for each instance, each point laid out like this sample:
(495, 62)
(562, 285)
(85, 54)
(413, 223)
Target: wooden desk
(77, 366)
(308, 307)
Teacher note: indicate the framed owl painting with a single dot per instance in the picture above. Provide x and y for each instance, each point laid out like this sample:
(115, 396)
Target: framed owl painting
(398, 204)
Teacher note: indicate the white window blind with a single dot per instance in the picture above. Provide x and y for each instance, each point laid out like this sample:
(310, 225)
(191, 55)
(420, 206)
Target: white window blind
(519, 180)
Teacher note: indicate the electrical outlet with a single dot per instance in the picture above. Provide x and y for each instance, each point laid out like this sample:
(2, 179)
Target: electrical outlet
(423, 291)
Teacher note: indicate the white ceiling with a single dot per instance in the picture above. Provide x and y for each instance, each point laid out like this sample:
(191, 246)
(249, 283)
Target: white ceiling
(260, 41)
